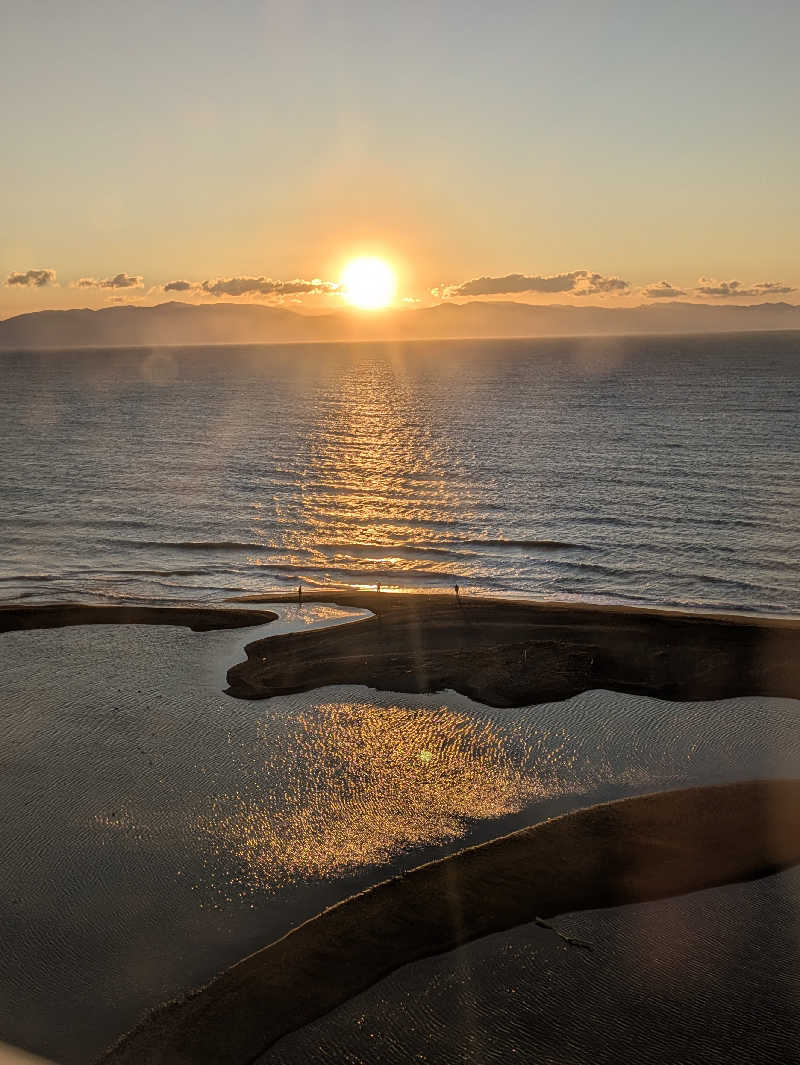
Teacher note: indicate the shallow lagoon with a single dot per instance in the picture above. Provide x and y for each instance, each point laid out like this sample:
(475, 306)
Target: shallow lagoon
(156, 830)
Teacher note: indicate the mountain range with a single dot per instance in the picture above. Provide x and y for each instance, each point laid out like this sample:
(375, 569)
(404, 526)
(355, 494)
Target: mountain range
(225, 323)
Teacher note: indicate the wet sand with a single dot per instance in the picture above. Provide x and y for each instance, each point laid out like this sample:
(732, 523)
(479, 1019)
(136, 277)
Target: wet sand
(198, 619)
(632, 850)
(511, 653)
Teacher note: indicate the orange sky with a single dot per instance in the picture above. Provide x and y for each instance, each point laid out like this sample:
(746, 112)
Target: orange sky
(257, 143)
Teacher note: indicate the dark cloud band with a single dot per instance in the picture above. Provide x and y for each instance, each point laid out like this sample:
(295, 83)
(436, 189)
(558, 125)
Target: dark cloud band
(708, 286)
(663, 290)
(117, 281)
(262, 286)
(32, 278)
(576, 282)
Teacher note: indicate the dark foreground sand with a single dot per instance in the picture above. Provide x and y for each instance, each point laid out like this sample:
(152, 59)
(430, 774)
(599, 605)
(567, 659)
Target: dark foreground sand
(627, 851)
(198, 619)
(512, 653)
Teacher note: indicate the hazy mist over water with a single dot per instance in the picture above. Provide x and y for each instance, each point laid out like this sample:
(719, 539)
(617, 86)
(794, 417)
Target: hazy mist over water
(644, 470)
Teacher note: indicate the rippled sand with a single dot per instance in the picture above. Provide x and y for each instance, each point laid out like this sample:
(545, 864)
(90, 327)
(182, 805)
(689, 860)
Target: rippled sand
(158, 830)
(708, 977)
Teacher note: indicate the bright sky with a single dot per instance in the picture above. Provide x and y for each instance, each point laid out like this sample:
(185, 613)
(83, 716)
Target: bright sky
(273, 141)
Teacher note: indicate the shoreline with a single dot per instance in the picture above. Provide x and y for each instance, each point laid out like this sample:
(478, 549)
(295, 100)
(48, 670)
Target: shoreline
(612, 854)
(497, 651)
(510, 652)
(328, 593)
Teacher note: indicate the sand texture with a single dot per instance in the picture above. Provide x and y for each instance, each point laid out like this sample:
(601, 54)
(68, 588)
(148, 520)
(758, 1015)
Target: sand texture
(632, 850)
(511, 653)
(198, 619)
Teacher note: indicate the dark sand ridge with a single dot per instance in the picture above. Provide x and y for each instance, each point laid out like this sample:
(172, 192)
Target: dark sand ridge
(198, 619)
(500, 652)
(632, 850)
(514, 653)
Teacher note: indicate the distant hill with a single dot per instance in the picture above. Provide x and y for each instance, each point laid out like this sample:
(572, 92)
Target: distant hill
(220, 323)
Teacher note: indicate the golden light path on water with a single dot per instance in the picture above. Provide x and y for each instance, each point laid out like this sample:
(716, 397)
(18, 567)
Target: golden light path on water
(361, 783)
(371, 456)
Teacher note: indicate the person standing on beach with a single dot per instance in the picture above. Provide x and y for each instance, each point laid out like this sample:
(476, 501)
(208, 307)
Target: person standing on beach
(299, 593)
(378, 586)
(456, 588)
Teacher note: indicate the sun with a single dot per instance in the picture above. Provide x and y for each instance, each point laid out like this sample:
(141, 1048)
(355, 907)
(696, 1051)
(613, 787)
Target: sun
(368, 283)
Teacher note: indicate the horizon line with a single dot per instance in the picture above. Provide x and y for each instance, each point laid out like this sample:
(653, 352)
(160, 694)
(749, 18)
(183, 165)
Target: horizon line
(372, 315)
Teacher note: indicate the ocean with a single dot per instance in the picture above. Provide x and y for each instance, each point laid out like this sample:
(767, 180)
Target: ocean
(658, 470)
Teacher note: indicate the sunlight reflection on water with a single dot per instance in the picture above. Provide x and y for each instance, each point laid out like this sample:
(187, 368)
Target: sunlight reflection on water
(360, 783)
(660, 471)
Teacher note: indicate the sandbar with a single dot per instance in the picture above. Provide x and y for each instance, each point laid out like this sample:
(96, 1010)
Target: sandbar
(631, 850)
(514, 653)
(198, 619)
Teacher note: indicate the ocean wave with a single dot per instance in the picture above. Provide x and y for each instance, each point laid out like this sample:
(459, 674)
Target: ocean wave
(396, 550)
(357, 575)
(23, 595)
(31, 577)
(532, 545)
(197, 545)
(133, 574)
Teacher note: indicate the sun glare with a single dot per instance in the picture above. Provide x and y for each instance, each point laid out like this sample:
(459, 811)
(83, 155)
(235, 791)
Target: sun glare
(368, 283)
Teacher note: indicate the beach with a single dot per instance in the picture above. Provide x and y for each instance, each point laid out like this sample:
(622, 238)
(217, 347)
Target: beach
(500, 652)
(512, 653)
(608, 855)
(166, 787)
(14, 618)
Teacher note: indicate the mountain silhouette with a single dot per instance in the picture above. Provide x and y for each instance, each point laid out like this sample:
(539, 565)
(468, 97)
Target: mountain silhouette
(226, 323)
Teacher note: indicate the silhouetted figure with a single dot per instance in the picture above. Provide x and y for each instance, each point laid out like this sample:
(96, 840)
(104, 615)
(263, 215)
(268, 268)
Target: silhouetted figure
(299, 593)
(456, 588)
(378, 587)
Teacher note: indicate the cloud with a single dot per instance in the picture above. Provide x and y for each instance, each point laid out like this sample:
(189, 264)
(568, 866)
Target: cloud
(263, 286)
(773, 288)
(117, 281)
(662, 290)
(578, 282)
(709, 286)
(591, 284)
(236, 287)
(495, 286)
(32, 278)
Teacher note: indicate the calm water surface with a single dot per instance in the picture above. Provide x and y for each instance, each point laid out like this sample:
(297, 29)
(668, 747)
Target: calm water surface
(659, 470)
